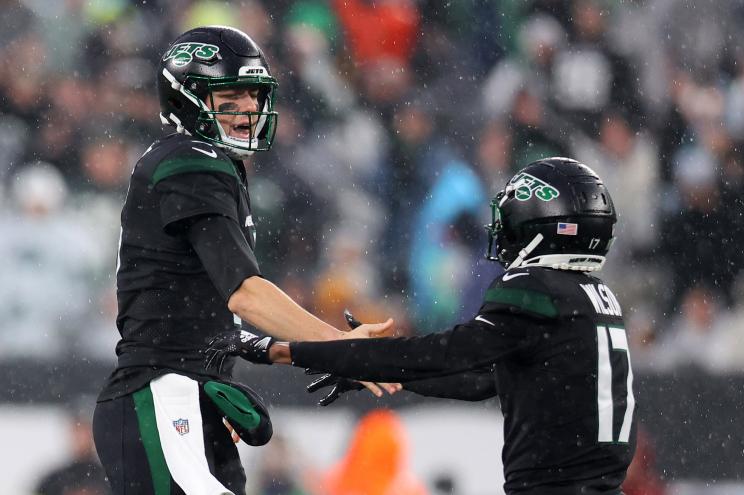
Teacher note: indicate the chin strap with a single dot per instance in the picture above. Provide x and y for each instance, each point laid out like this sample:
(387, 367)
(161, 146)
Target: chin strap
(526, 251)
(175, 121)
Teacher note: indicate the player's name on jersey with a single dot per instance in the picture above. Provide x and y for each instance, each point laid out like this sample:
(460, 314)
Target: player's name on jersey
(603, 300)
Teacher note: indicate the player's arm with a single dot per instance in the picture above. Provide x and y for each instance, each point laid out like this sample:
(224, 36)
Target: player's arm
(470, 346)
(266, 306)
(198, 200)
(515, 314)
(469, 385)
(232, 266)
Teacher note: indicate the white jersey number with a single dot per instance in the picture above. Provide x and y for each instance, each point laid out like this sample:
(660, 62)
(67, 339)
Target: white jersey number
(617, 342)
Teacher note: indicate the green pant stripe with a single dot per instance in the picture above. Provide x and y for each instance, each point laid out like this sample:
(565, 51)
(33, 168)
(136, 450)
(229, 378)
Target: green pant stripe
(151, 440)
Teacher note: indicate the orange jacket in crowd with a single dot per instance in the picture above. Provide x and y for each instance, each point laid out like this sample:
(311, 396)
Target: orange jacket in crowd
(382, 29)
(375, 463)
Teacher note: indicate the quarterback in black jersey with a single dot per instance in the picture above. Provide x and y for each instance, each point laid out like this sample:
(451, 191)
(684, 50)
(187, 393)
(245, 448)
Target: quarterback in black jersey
(187, 272)
(548, 340)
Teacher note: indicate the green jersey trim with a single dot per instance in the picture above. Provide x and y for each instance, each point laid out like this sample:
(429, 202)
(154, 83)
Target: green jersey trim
(528, 300)
(176, 166)
(148, 427)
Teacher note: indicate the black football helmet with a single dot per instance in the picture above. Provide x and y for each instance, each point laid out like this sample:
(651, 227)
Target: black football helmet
(555, 212)
(213, 58)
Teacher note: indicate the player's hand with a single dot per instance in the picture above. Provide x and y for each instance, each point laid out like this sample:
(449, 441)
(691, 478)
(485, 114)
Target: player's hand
(233, 434)
(249, 346)
(343, 385)
(371, 330)
(340, 386)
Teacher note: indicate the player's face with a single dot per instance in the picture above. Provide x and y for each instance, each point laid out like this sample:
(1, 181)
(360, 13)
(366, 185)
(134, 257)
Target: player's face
(243, 99)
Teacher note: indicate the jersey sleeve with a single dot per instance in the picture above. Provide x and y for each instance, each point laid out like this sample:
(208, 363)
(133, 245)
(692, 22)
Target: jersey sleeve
(473, 385)
(191, 184)
(224, 251)
(470, 346)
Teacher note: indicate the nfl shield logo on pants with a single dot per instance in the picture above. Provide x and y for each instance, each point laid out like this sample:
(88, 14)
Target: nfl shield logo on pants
(182, 426)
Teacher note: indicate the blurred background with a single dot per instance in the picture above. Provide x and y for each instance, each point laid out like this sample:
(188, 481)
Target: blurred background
(399, 120)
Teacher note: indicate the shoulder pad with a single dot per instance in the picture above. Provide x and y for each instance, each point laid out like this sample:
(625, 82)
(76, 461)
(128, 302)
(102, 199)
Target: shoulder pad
(522, 291)
(189, 155)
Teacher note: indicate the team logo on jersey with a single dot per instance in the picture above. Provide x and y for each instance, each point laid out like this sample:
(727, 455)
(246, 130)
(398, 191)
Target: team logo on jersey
(182, 426)
(184, 53)
(526, 185)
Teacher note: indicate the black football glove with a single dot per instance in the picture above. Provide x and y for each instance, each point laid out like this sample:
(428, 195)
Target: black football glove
(340, 385)
(249, 346)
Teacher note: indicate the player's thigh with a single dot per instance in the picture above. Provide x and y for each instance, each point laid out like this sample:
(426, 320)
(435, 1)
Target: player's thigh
(129, 446)
(222, 453)
(119, 445)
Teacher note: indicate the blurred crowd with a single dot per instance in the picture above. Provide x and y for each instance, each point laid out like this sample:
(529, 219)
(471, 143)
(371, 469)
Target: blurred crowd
(399, 120)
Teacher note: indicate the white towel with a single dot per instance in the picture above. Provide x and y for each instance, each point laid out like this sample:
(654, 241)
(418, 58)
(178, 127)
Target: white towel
(179, 420)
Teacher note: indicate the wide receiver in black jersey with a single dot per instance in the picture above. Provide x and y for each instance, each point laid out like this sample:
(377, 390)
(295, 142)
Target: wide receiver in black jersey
(187, 272)
(549, 340)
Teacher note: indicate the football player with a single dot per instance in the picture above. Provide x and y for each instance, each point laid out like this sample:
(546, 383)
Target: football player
(549, 340)
(187, 271)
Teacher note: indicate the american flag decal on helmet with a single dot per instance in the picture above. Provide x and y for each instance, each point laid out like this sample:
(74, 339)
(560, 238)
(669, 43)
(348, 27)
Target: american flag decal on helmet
(568, 229)
(182, 426)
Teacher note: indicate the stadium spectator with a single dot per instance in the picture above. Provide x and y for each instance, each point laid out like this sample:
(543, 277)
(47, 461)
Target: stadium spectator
(376, 461)
(540, 37)
(690, 339)
(83, 474)
(278, 472)
(589, 75)
(692, 248)
(627, 159)
(442, 241)
(375, 33)
(350, 280)
(43, 246)
(643, 477)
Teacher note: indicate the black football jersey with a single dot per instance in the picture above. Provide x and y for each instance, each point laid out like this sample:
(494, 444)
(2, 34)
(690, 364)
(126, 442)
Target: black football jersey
(169, 308)
(552, 345)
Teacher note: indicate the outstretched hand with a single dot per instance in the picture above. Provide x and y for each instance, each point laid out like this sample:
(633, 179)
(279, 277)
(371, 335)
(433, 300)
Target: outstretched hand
(370, 330)
(342, 385)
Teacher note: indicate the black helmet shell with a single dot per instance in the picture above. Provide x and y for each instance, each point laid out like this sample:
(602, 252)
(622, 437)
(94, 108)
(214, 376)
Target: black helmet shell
(566, 204)
(205, 59)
